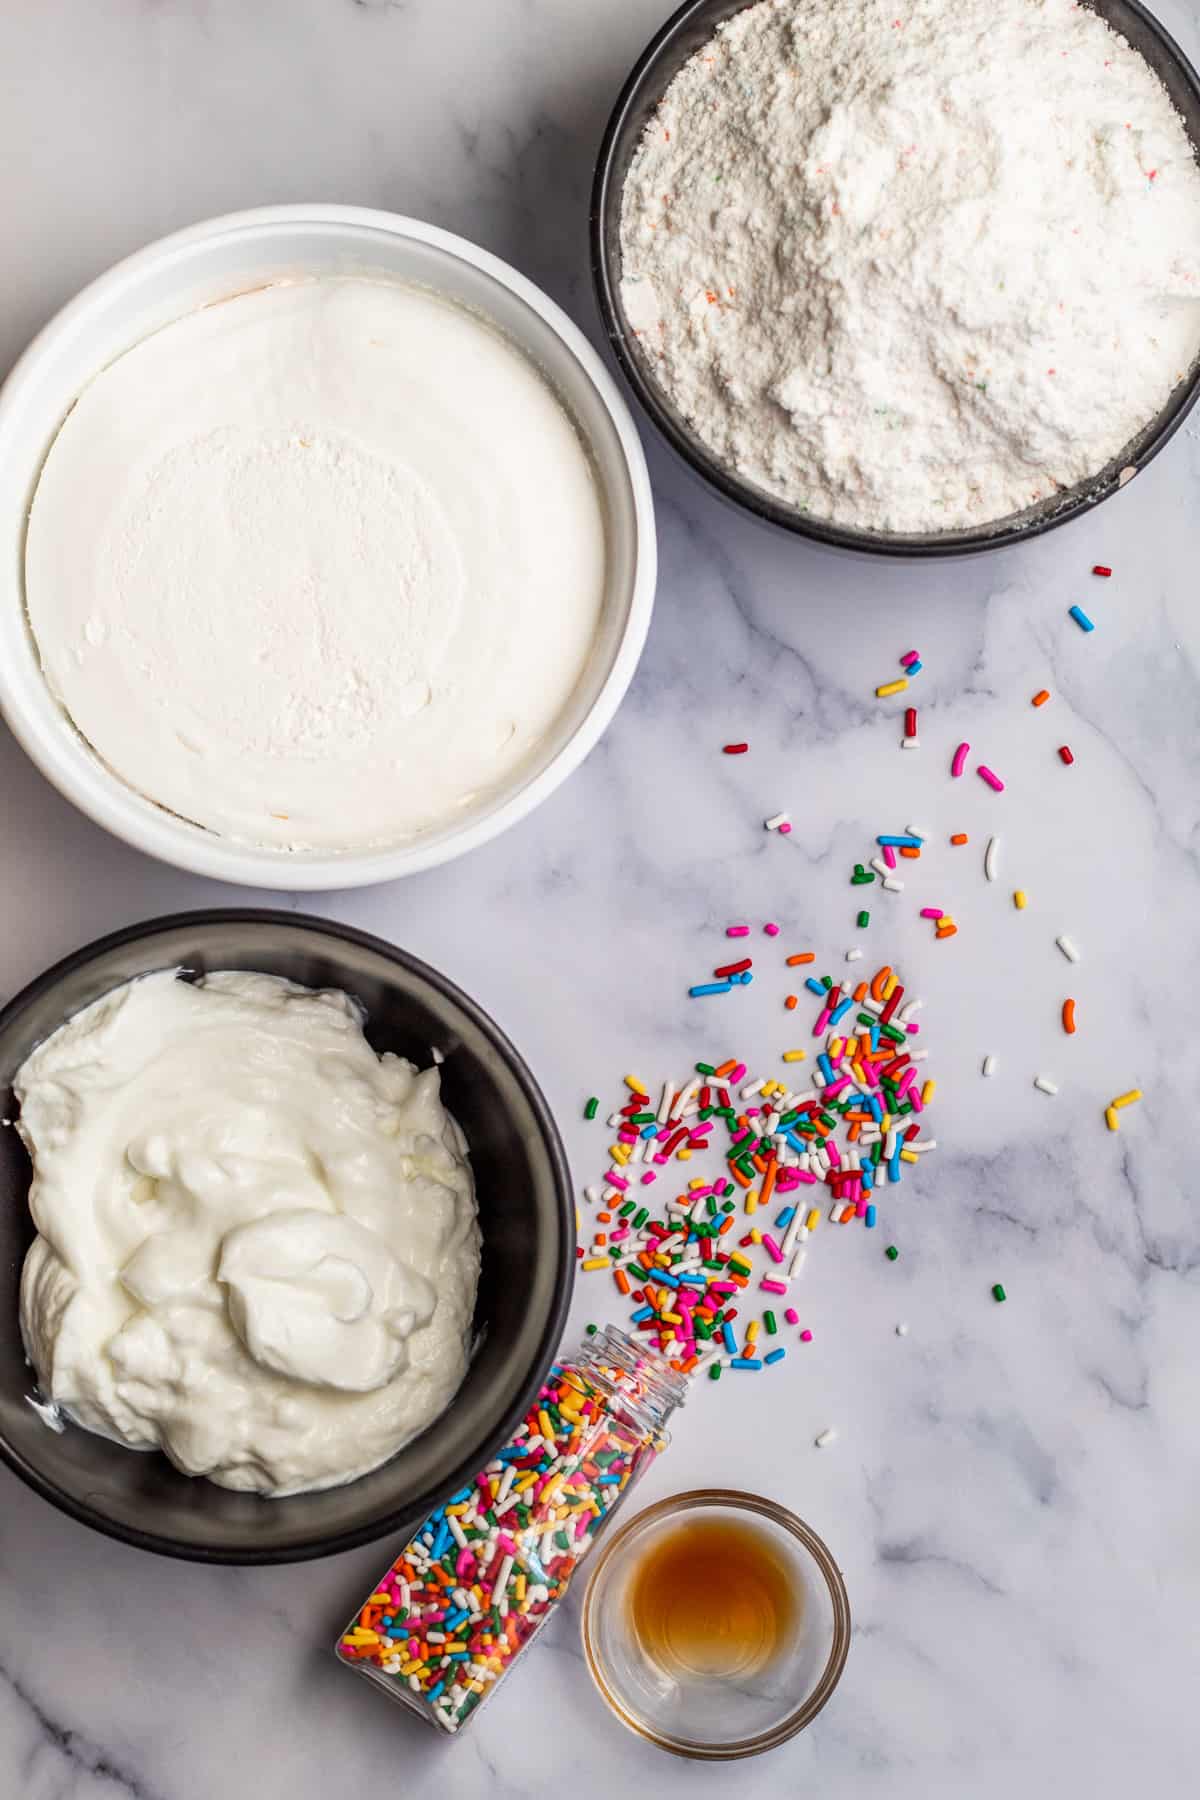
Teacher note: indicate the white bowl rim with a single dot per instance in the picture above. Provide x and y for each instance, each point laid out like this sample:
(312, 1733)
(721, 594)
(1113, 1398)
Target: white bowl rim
(105, 799)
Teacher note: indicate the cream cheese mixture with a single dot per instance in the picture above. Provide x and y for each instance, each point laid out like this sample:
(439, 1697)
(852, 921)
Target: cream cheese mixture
(257, 1246)
(319, 566)
(915, 266)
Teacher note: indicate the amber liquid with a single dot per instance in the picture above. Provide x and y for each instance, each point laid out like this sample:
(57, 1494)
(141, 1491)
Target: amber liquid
(713, 1597)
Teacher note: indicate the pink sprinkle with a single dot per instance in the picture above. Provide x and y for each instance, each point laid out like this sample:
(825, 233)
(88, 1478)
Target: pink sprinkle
(912, 1028)
(737, 931)
(506, 1543)
(784, 829)
(722, 1287)
(463, 1562)
(772, 1248)
(806, 1337)
(932, 912)
(960, 759)
(831, 1149)
(648, 1177)
(806, 1177)
(737, 1074)
(773, 1287)
(860, 1209)
(909, 657)
(771, 929)
(993, 780)
(618, 1237)
(889, 855)
(918, 1105)
(821, 1023)
(792, 1316)
(617, 1181)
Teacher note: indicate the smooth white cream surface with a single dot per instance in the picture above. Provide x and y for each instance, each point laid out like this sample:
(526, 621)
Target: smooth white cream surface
(319, 566)
(257, 1245)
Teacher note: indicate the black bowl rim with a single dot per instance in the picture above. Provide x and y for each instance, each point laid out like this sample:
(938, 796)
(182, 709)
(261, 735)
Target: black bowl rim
(606, 195)
(306, 1550)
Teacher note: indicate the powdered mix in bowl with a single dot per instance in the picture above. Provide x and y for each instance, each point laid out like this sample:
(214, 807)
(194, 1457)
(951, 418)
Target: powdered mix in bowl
(915, 270)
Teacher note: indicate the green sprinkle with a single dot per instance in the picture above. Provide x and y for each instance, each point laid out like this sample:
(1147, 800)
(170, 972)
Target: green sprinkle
(998, 1292)
(640, 1217)
(769, 1322)
(827, 982)
(591, 1330)
(864, 919)
(891, 1253)
(705, 1069)
(592, 1108)
(714, 1373)
(647, 1118)
(624, 1211)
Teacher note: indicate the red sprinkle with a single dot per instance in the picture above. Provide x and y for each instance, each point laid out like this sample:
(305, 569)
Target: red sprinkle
(1099, 569)
(910, 722)
(735, 749)
(733, 968)
(1066, 753)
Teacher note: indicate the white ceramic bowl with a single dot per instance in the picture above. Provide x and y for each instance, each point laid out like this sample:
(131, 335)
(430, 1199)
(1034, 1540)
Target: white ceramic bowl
(221, 257)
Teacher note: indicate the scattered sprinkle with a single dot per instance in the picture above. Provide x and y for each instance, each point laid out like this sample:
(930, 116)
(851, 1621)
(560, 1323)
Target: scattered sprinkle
(902, 1329)
(1041, 697)
(1068, 1017)
(910, 657)
(960, 837)
(989, 1065)
(1111, 1119)
(998, 1292)
(777, 823)
(891, 687)
(806, 1337)
(1069, 950)
(1100, 569)
(735, 749)
(1081, 619)
(992, 779)
(1129, 1099)
(771, 928)
(991, 857)
(863, 920)
(592, 1108)
(1044, 1084)
(891, 1253)
(709, 987)
(1020, 899)
(824, 1438)
(960, 759)
(737, 931)
(854, 956)
(800, 958)
(1066, 754)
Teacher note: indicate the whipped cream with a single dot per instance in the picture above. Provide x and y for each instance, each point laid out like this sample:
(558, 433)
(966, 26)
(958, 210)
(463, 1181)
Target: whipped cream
(257, 1246)
(318, 566)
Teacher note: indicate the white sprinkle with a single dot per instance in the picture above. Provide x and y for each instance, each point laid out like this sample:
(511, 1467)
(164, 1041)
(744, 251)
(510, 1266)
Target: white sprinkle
(902, 1329)
(706, 1362)
(919, 1144)
(436, 1054)
(797, 1263)
(1044, 1084)
(776, 822)
(892, 885)
(989, 1065)
(828, 1436)
(592, 1194)
(667, 1102)
(880, 867)
(1069, 950)
(755, 1087)
(913, 743)
(917, 831)
(991, 858)
(918, 1056)
(854, 956)
(907, 1010)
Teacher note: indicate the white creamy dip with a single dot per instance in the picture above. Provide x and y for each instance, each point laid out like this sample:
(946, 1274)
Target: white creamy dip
(257, 1247)
(318, 566)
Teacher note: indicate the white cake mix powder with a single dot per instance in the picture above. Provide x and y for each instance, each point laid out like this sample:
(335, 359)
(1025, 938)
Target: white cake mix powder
(915, 266)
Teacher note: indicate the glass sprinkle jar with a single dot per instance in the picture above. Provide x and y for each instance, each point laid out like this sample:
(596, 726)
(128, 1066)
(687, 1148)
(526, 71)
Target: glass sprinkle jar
(478, 1580)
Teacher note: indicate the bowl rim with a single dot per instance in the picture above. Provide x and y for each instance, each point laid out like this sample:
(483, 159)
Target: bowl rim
(915, 546)
(397, 1519)
(103, 797)
(734, 1500)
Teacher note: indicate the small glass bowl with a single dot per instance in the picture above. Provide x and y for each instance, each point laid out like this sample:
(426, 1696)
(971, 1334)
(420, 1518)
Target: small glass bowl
(709, 1717)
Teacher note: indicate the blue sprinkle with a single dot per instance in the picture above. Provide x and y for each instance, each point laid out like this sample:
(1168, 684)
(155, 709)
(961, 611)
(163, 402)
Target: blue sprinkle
(730, 1340)
(894, 1163)
(666, 1275)
(876, 1106)
(648, 1131)
(904, 843)
(1081, 619)
(745, 978)
(871, 1215)
(709, 987)
(643, 1312)
(783, 1219)
(814, 986)
(825, 1066)
(746, 1362)
(838, 1011)
(867, 1175)
(606, 1480)
(775, 1355)
(697, 1281)
(432, 1693)
(914, 668)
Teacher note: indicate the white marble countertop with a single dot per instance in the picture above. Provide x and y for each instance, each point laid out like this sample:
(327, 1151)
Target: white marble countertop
(1012, 1494)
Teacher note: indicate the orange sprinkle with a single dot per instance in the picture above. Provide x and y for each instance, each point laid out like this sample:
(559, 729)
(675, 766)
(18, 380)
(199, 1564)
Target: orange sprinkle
(1068, 1016)
(944, 931)
(911, 851)
(861, 992)
(1041, 697)
(725, 1069)
(879, 981)
(960, 837)
(805, 956)
(792, 1002)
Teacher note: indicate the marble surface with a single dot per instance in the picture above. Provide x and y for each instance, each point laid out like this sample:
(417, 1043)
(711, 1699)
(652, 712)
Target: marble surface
(1012, 1495)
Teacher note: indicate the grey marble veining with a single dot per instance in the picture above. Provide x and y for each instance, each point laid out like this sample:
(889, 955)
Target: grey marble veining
(1012, 1494)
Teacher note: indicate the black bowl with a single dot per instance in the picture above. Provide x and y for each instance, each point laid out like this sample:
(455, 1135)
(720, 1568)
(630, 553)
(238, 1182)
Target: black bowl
(682, 35)
(526, 1218)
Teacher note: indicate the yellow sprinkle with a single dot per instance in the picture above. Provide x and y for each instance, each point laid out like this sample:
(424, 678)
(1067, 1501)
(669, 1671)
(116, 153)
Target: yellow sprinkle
(1020, 899)
(1127, 1099)
(684, 1155)
(697, 1181)
(376, 1598)
(1111, 1119)
(752, 1331)
(455, 1510)
(890, 986)
(519, 1587)
(927, 1091)
(671, 1318)
(596, 1262)
(363, 1636)
(859, 1073)
(751, 1201)
(836, 1046)
(885, 1124)
(635, 1086)
(813, 1219)
(794, 1055)
(909, 1156)
(891, 687)
(756, 1237)
(411, 1668)
(619, 1152)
